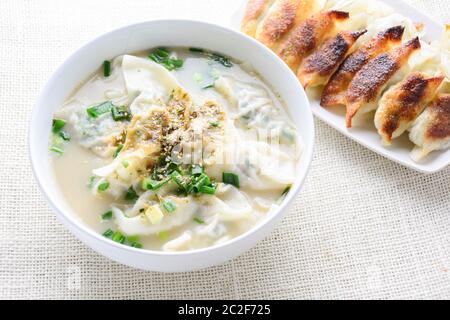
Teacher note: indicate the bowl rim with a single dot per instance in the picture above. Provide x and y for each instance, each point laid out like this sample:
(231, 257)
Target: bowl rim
(80, 226)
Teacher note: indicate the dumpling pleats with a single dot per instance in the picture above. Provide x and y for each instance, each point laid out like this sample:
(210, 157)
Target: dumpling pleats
(318, 68)
(303, 39)
(282, 17)
(365, 89)
(431, 130)
(334, 92)
(403, 103)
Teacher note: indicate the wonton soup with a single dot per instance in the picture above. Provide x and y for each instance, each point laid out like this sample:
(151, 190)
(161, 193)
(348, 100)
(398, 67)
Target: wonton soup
(174, 149)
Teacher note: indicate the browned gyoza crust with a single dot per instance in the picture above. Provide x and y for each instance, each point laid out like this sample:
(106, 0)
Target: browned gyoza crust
(283, 16)
(406, 101)
(374, 76)
(254, 10)
(308, 35)
(334, 92)
(317, 68)
(439, 127)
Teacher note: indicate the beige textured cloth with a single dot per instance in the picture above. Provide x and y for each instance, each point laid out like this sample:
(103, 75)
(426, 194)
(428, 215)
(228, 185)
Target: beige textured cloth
(363, 227)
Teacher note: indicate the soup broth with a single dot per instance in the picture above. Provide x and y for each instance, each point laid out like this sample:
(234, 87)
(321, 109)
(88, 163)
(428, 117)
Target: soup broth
(174, 149)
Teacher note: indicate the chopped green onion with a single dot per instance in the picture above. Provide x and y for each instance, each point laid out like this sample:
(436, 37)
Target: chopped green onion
(56, 150)
(169, 206)
(209, 85)
(99, 109)
(91, 182)
(150, 184)
(108, 233)
(120, 113)
(57, 125)
(198, 50)
(222, 60)
(202, 180)
(107, 215)
(230, 178)
(131, 194)
(125, 163)
(136, 245)
(118, 237)
(162, 56)
(286, 191)
(181, 181)
(119, 148)
(162, 52)
(106, 68)
(64, 135)
(207, 190)
(133, 239)
(103, 186)
(215, 124)
(198, 220)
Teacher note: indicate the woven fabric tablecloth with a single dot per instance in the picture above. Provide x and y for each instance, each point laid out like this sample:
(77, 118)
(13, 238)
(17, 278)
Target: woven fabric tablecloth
(362, 227)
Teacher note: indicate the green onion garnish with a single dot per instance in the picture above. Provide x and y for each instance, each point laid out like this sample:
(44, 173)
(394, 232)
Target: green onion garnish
(207, 190)
(91, 182)
(120, 113)
(118, 237)
(106, 68)
(56, 150)
(230, 178)
(125, 163)
(198, 220)
(181, 181)
(150, 184)
(162, 56)
(107, 215)
(202, 180)
(108, 233)
(169, 206)
(198, 50)
(136, 245)
(131, 194)
(286, 191)
(222, 60)
(64, 135)
(119, 148)
(103, 186)
(57, 125)
(99, 109)
(215, 124)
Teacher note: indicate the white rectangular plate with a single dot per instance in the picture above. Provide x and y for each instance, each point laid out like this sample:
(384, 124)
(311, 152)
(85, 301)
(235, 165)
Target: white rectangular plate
(367, 135)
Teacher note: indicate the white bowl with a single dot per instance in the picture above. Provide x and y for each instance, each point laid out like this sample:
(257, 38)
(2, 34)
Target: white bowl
(144, 36)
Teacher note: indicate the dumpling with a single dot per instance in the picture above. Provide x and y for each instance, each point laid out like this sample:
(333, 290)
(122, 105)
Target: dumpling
(229, 204)
(431, 130)
(154, 219)
(253, 14)
(362, 12)
(368, 84)
(281, 17)
(402, 104)
(308, 35)
(334, 92)
(142, 74)
(317, 69)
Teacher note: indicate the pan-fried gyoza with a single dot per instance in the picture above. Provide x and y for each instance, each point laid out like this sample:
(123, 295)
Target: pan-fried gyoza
(334, 91)
(317, 69)
(403, 103)
(325, 45)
